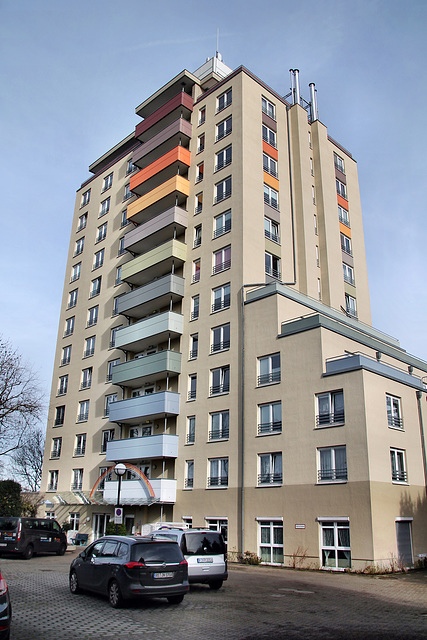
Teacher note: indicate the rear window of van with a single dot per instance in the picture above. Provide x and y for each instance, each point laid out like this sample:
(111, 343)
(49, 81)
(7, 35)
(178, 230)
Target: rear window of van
(202, 544)
(8, 524)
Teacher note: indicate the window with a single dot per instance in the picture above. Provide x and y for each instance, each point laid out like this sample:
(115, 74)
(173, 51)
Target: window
(192, 386)
(77, 481)
(128, 193)
(110, 367)
(270, 468)
(313, 194)
(108, 181)
(224, 100)
(82, 222)
(271, 197)
(189, 474)
(98, 259)
(199, 203)
(346, 244)
(53, 480)
(223, 190)
(219, 425)
(116, 304)
(343, 216)
(194, 307)
(107, 436)
(315, 225)
(80, 448)
(221, 260)
(341, 188)
(223, 129)
(311, 167)
(191, 430)
(271, 541)
(130, 167)
(221, 298)
(86, 378)
(201, 143)
(202, 115)
(79, 246)
(339, 163)
(332, 464)
(348, 273)
(220, 380)
(72, 299)
(95, 288)
(121, 246)
(59, 416)
(220, 338)
(269, 136)
(218, 472)
(317, 256)
(270, 418)
(66, 355)
(92, 316)
(269, 165)
(69, 326)
(218, 524)
(63, 385)
(222, 223)
(102, 470)
(105, 207)
(85, 198)
(194, 346)
(319, 289)
(398, 465)
(101, 232)
(113, 336)
(199, 171)
(350, 305)
(83, 412)
(223, 158)
(197, 236)
(271, 230)
(196, 270)
(330, 407)
(336, 552)
(268, 108)
(269, 369)
(112, 397)
(75, 272)
(89, 347)
(309, 140)
(394, 414)
(118, 275)
(124, 222)
(74, 521)
(56, 448)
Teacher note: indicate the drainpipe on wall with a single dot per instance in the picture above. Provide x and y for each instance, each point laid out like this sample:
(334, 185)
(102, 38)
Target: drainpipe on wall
(423, 442)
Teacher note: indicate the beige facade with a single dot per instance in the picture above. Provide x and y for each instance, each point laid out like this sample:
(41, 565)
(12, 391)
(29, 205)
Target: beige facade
(222, 345)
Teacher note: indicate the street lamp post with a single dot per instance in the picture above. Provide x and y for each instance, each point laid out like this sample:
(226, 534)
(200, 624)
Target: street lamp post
(119, 470)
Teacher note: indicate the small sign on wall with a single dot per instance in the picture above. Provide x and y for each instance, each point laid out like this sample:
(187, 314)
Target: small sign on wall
(300, 526)
(118, 515)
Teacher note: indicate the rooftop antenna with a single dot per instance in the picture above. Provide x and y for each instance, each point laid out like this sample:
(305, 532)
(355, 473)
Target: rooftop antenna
(217, 41)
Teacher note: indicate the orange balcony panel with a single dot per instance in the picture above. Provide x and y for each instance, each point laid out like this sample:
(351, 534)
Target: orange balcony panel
(181, 100)
(269, 150)
(178, 155)
(159, 199)
(346, 231)
(342, 202)
(272, 182)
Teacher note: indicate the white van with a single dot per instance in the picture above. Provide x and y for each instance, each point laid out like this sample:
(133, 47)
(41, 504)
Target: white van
(204, 551)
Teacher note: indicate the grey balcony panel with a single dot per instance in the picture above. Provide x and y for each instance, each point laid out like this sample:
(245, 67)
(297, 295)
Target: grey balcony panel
(149, 368)
(153, 330)
(343, 364)
(178, 131)
(161, 446)
(135, 492)
(157, 230)
(153, 406)
(154, 295)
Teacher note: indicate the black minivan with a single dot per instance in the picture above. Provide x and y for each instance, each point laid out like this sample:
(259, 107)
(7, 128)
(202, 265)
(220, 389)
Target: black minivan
(27, 536)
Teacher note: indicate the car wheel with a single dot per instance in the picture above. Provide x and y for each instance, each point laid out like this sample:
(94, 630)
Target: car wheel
(115, 595)
(62, 549)
(216, 584)
(29, 552)
(74, 583)
(175, 599)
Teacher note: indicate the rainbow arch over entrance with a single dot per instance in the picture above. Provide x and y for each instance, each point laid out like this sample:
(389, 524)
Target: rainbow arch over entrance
(131, 467)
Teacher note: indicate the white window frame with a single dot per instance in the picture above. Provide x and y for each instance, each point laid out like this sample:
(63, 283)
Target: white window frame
(269, 136)
(101, 232)
(66, 355)
(399, 474)
(107, 436)
(89, 349)
(224, 128)
(268, 107)
(95, 288)
(53, 480)
(341, 188)
(199, 203)
(75, 272)
(224, 100)
(56, 448)
(335, 556)
(223, 158)
(80, 447)
(192, 386)
(269, 369)
(334, 416)
(221, 260)
(222, 223)
(92, 316)
(220, 380)
(332, 464)
(202, 116)
(108, 181)
(271, 196)
(339, 163)
(220, 338)
(219, 425)
(98, 259)
(269, 165)
(110, 366)
(80, 243)
(59, 416)
(83, 412)
(85, 198)
(394, 412)
(350, 305)
(343, 216)
(62, 385)
(269, 421)
(189, 474)
(196, 270)
(348, 273)
(270, 469)
(223, 300)
(74, 520)
(77, 481)
(200, 169)
(191, 430)
(270, 541)
(104, 207)
(346, 244)
(223, 190)
(194, 346)
(201, 143)
(271, 230)
(86, 381)
(218, 471)
(110, 398)
(195, 307)
(82, 221)
(197, 236)
(69, 326)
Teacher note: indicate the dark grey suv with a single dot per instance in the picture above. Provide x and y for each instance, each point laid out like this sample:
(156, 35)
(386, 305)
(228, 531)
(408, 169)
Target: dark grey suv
(125, 567)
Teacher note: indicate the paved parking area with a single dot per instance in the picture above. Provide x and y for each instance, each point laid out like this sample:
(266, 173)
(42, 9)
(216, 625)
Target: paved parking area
(257, 603)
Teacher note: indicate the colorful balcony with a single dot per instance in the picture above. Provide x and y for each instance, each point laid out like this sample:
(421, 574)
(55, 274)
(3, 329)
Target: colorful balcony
(161, 446)
(154, 295)
(149, 368)
(180, 106)
(155, 263)
(156, 329)
(176, 161)
(177, 133)
(173, 192)
(136, 492)
(152, 406)
(157, 230)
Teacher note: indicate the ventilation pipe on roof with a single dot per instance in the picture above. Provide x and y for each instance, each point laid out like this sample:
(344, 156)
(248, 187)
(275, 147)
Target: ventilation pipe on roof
(313, 102)
(295, 86)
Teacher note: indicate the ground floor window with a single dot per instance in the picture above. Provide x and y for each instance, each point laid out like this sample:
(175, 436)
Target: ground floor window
(75, 521)
(335, 544)
(404, 542)
(218, 524)
(270, 535)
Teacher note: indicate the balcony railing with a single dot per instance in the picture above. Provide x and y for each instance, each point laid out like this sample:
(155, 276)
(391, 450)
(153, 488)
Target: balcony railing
(222, 266)
(223, 133)
(271, 201)
(195, 314)
(197, 243)
(399, 475)
(65, 361)
(52, 487)
(270, 427)
(272, 236)
(332, 474)
(196, 277)
(336, 417)
(219, 434)
(80, 451)
(190, 438)
(222, 196)
(94, 292)
(274, 273)
(219, 388)
(198, 209)
(88, 353)
(55, 454)
(344, 219)
(85, 385)
(270, 478)
(395, 421)
(221, 230)
(348, 279)
(221, 304)
(58, 422)
(192, 395)
(76, 486)
(188, 483)
(218, 481)
(220, 346)
(269, 378)
(82, 417)
(222, 163)
(193, 354)
(269, 141)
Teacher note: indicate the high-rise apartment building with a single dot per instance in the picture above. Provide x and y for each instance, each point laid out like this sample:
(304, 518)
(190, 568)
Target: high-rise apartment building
(215, 337)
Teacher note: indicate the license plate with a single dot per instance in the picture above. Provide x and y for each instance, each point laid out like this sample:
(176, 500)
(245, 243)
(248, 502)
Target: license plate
(164, 574)
(205, 560)
(3, 544)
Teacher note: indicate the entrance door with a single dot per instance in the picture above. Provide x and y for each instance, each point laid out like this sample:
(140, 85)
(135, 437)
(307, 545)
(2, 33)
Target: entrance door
(129, 524)
(99, 523)
(404, 542)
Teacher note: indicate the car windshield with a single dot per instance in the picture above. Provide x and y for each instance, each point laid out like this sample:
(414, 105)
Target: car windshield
(203, 544)
(8, 524)
(156, 552)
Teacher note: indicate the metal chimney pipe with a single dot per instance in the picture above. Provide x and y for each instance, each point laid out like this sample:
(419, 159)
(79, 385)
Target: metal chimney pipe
(291, 71)
(297, 93)
(313, 102)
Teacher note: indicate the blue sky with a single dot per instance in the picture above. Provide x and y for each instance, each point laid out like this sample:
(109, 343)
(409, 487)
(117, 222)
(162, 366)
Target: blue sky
(72, 74)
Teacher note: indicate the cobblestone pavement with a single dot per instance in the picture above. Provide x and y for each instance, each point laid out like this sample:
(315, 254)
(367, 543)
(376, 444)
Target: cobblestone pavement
(257, 603)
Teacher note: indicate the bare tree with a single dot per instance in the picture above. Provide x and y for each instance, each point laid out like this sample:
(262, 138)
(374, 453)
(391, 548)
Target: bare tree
(21, 401)
(27, 460)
